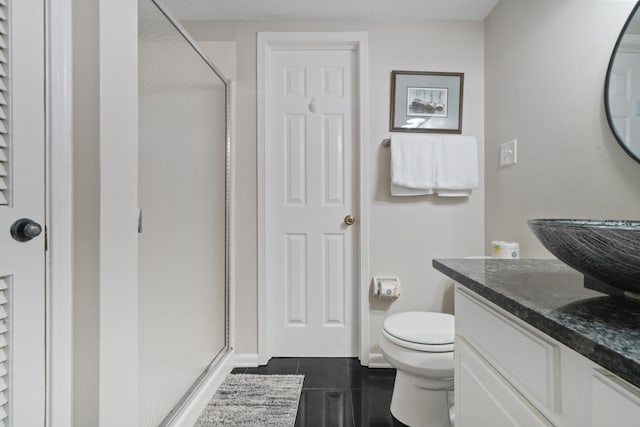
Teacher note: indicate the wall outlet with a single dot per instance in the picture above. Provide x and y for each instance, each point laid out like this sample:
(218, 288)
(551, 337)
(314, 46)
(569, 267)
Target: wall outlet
(509, 153)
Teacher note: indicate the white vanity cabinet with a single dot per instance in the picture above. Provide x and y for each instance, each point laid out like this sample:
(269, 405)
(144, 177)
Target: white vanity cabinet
(508, 373)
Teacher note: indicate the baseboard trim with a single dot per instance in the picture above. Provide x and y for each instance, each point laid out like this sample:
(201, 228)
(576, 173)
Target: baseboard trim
(252, 360)
(377, 360)
(189, 414)
(246, 360)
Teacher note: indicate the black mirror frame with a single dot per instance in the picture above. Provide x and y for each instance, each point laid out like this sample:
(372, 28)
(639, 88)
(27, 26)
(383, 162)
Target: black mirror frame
(634, 156)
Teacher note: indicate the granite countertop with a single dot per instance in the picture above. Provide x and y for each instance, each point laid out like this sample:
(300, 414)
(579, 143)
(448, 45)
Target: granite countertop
(550, 296)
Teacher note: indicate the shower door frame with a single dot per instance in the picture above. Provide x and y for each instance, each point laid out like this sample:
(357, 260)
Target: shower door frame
(188, 405)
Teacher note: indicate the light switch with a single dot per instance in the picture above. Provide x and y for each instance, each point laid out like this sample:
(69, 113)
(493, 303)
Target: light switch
(509, 153)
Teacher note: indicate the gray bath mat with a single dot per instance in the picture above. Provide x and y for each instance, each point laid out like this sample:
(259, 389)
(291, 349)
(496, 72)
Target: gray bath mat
(254, 400)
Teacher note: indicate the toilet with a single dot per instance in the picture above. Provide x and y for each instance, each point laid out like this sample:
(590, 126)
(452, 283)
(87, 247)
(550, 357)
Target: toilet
(420, 346)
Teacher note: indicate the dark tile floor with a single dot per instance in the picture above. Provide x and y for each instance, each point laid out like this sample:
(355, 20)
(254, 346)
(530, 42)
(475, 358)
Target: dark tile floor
(337, 391)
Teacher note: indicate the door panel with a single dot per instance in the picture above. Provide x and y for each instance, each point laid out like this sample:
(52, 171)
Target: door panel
(22, 184)
(296, 273)
(295, 162)
(310, 133)
(333, 144)
(334, 279)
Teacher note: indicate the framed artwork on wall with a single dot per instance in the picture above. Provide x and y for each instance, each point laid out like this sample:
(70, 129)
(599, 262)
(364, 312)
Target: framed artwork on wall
(426, 102)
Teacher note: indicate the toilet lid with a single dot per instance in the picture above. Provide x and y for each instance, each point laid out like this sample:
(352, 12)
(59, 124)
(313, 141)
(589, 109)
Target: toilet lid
(419, 329)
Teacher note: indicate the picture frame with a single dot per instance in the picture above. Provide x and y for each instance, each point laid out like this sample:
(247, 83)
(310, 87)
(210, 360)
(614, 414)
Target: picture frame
(423, 101)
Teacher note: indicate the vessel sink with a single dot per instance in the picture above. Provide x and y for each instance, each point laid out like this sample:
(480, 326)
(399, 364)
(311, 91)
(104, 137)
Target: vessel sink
(605, 250)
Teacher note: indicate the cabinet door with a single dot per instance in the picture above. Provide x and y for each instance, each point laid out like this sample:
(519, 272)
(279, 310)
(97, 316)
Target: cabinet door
(484, 398)
(615, 402)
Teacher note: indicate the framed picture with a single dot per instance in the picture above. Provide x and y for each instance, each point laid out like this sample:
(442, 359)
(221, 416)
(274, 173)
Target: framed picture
(426, 102)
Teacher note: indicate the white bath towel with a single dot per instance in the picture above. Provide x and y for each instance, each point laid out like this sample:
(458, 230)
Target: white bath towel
(399, 190)
(456, 165)
(413, 169)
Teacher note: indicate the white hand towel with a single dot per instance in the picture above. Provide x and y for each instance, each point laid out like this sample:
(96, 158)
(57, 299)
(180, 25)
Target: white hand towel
(413, 164)
(456, 165)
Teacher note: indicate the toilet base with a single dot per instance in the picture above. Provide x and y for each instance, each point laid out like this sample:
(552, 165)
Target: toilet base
(419, 407)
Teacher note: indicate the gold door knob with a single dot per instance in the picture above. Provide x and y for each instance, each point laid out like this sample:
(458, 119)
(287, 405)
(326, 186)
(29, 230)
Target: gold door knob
(349, 220)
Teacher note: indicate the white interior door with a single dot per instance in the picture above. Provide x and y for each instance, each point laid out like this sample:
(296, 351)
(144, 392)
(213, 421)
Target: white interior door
(310, 134)
(22, 195)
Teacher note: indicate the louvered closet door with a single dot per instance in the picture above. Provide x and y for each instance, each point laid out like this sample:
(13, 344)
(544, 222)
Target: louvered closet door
(22, 264)
(5, 195)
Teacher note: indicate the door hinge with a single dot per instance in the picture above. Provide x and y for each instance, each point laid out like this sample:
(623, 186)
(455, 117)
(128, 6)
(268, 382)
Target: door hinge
(46, 238)
(139, 221)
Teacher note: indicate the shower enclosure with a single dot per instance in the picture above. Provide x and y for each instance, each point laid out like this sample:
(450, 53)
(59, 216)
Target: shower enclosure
(184, 149)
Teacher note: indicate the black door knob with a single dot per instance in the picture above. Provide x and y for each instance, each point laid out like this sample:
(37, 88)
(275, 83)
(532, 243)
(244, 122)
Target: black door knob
(25, 229)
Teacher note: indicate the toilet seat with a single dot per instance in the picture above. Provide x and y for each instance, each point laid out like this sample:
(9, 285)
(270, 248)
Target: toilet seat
(421, 331)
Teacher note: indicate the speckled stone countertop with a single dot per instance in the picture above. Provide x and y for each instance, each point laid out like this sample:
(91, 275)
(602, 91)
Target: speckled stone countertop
(550, 296)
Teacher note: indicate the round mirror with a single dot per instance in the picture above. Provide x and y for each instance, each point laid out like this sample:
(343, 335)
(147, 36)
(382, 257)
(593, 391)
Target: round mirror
(622, 88)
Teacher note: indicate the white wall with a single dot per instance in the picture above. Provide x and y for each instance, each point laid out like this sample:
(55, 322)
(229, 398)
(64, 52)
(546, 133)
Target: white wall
(118, 307)
(405, 233)
(104, 211)
(545, 70)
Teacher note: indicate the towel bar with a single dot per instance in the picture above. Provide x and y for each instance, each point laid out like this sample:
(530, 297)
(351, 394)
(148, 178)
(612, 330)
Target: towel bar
(386, 142)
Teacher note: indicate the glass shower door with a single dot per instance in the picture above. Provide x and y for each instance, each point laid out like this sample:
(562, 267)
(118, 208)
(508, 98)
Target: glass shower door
(183, 157)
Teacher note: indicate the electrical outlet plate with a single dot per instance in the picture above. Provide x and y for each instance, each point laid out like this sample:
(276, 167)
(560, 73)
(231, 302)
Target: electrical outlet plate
(509, 153)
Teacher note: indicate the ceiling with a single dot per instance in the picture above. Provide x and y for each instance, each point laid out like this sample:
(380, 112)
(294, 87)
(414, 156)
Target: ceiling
(388, 10)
